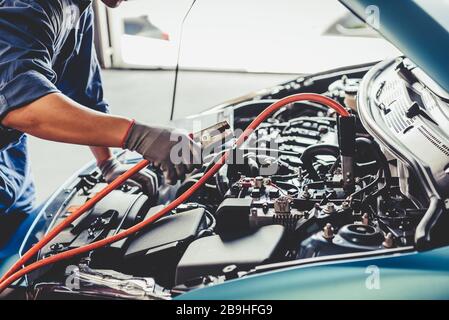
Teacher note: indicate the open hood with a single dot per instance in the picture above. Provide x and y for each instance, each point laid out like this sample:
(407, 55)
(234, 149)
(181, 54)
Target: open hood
(419, 28)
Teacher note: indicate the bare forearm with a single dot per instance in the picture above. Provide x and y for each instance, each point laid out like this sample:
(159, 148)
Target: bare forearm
(58, 118)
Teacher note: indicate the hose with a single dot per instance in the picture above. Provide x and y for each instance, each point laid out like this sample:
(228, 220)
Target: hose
(13, 274)
(315, 150)
(75, 215)
(378, 156)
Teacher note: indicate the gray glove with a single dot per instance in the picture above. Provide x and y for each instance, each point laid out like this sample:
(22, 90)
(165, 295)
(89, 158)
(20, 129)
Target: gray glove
(145, 179)
(171, 149)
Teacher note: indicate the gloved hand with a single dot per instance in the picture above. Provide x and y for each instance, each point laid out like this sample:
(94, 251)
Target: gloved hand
(171, 149)
(145, 179)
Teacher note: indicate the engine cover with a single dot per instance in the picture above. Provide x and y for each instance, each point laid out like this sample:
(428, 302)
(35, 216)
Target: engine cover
(210, 255)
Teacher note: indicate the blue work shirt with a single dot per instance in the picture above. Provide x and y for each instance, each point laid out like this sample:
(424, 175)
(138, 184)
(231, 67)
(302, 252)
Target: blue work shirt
(46, 46)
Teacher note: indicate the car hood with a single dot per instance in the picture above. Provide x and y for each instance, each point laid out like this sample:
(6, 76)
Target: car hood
(418, 28)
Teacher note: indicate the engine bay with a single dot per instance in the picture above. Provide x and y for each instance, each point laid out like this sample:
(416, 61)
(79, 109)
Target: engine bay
(307, 184)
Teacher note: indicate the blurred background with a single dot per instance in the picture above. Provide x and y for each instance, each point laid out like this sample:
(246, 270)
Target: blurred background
(221, 50)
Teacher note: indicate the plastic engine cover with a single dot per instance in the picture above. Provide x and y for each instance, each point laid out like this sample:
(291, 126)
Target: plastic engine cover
(209, 255)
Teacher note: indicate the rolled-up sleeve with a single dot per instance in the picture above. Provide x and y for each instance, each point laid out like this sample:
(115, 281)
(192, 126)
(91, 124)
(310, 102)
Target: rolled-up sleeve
(25, 87)
(81, 79)
(26, 47)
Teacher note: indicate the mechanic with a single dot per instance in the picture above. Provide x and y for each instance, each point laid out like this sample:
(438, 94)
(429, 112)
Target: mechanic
(50, 87)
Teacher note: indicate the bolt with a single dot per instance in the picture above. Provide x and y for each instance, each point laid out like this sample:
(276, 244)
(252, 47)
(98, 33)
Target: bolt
(330, 207)
(259, 182)
(388, 242)
(230, 272)
(316, 209)
(85, 261)
(328, 231)
(90, 233)
(365, 219)
(254, 212)
(306, 193)
(56, 247)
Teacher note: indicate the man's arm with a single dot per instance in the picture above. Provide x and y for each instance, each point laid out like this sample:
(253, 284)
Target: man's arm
(58, 118)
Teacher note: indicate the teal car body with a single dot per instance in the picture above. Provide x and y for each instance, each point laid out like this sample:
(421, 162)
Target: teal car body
(408, 275)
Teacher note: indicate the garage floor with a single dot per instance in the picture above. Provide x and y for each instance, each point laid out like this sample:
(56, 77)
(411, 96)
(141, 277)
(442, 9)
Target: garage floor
(146, 96)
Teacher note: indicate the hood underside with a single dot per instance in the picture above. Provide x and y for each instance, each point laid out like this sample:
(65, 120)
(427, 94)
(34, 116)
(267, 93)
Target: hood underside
(415, 27)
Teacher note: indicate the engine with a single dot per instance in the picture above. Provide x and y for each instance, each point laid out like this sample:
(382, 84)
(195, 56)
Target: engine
(306, 184)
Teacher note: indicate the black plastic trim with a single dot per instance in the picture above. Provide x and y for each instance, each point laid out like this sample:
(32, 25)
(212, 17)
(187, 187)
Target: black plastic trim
(374, 124)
